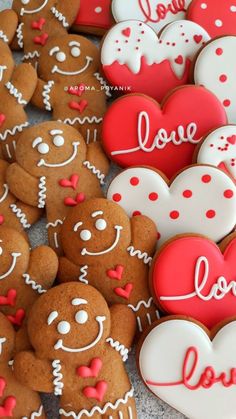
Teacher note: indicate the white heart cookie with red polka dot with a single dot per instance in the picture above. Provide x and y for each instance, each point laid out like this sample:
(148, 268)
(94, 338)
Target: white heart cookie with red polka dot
(219, 149)
(215, 69)
(201, 200)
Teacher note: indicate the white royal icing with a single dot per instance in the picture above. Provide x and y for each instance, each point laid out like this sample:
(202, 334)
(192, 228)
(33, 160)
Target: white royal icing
(103, 83)
(13, 131)
(115, 344)
(83, 274)
(146, 304)
(55, 224)
(31, 55)
(35, 414)
(143, 42)
(161, 361)
(86, 119)
(206, 211)
(4, 37)
(33, 284)
(215, 69)
(19, 35)
(60, 17)
(15, 92)
(14, 256)
(140, 255)
(33, 11)
(57, 382)
(95, 171)
(220, 147)
(5, 193)
(42, 192)
(20, 215)
(46, 95)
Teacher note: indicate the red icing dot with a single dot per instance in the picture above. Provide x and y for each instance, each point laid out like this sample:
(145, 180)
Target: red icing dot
(210, 214)
(136, 213)
(206, 178)
(174, 215)
(134, 181)
(226, 103)
(223, 78)
(228, 193)
(219, 51)
(116, 197)
(153, 196)
(187, 193)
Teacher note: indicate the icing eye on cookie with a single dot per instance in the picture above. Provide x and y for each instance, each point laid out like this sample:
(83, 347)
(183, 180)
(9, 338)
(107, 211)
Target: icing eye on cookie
(60, 55)
(24, 2)
(85, 235)
(63, 327)
(100, 224)
(43, 148)
(81, 317)
(75, 50)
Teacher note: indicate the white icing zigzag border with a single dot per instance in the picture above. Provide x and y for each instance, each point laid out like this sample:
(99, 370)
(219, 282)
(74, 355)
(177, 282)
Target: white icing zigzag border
(95, 171)
(98, 409)
(35, 414)
(42, 192)
(58, 385)
(59, 16)
(91, 120)
(13, 131)
(142, 256)
(55, 224)
(33, 284)
(19, 35)
(103, 83)
(31, 54)
(20, 215)
(115, 344)
(146, 304)
(15, 92)
(46, 95)
(84, 273)
(4, 37)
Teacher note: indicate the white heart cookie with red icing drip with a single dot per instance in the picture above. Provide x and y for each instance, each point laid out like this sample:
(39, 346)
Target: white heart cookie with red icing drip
(201, 200)
(219, 149)
(135, 58)
(180, 364)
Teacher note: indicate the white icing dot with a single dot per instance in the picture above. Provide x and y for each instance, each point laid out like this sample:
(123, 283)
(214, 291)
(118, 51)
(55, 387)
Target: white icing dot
(58, 141)
(218, 23)
(204, 6)
(63, 327)
(85, 235)
(233, 8)
(61, 57)
(1, 250)
(100, 224)
(25, 1)
(98, 10)
(81, 316)
(43, 148)
(75, 52)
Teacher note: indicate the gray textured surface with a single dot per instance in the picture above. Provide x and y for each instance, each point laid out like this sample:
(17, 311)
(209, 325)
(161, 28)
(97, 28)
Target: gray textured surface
(148, 406)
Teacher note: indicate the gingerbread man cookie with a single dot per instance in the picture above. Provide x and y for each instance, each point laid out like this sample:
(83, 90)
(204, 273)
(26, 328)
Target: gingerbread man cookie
(17, 85)
(56, 170)
(80, 345)
(106, 249)
(200, 199)
(69, 84)
(16, 400)
(94, 17)
(39, 20)
(135, 59)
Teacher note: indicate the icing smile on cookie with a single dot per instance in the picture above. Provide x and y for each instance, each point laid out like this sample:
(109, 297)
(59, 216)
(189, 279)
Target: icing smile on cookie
(73, 73)
(2, 69)
(12, 267)
(29, 12)
(118, 229)
(2, 341)
(75, 146)
(5, 193)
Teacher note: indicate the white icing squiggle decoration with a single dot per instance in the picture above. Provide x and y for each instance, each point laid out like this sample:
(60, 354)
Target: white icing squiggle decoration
(140, 255)
(31, 54)
(60, 17)
(115, 344)
(84, 273)
(35, 414)
(42, 192)
(15, 92)
(19, 35)
(46, 95)
(95, 171)
(13, 131)
(20, 215)
(33, 284)
(4, 37)
(92, 120)
(146, 304)
(98, 409)
(55, 224)
(103, 83)
(5, 193)
(58, 384)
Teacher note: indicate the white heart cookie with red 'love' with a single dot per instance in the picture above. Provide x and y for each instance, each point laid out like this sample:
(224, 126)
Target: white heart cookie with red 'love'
(137, 131)
(194, 277)
(136, 60)
(180, 364)
(219, 149)
(201, 199)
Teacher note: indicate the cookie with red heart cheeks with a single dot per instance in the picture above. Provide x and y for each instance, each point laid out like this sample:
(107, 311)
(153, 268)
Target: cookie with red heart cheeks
(219, 149)
(200, 199)
(162, 137)
(191, 368)
(203, 286)
(215, 69)
(94, 17)
(136, 60)
(217, 18)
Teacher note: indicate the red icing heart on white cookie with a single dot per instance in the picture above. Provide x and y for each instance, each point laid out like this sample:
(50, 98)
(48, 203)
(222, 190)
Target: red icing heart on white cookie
(164, 138)
(137, 60)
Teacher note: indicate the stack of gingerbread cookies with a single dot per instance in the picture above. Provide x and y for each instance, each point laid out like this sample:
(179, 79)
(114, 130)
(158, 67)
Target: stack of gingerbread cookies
(131, 173)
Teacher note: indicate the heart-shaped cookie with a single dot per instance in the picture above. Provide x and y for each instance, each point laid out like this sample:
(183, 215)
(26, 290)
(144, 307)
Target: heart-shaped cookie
(180, 364)
(192, 276)
(135, 59)
(219, 149)
(201, 199)
(164, 138)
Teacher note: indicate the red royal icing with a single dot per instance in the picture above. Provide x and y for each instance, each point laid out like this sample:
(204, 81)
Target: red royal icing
(2, 119)
(77, 90)
(197, 38)
(38, 24)
(179, 59)
(2, 219)
(124, 292)
(95, 13)
(81, 106)
(18, 318)
(2, 386)
(141, 132)
(232, 139)
(162, 11)
(70, 183)
(126, 32)
(191, 276)
(116, 273)
(97, 392)
(6, 410)
(92, 371)
(41, 40)
(9, 299)
(71, 202)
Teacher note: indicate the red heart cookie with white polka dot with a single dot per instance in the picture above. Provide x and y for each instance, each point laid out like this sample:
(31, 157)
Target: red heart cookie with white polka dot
(164, 138)
(201, 200)
(215, 68)
(217, 17)
(194, 277)
(135, 59)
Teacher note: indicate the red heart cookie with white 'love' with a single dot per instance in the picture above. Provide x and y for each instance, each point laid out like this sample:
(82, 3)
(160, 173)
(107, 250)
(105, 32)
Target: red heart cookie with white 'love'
(201, 200)
(136, 60)
(219, 149)
(164, 138)
(217, 17)
(193, 370)
(194, 277)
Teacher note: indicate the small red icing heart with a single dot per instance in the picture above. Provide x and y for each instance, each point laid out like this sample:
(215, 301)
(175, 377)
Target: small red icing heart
(116, 273)
(41, 40)
(179, 60)
(6, 410)
(38, 24)
(232, 139)
(126, 32)
(125, 291)
(71, 202)
(18, 318)
(2, 219)
(91, 371)
(77, 90)
(2, 386)
(81, 106)
(2, 119)
(69, 183)
(10, 298)
(96, 392)
(197, 38)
